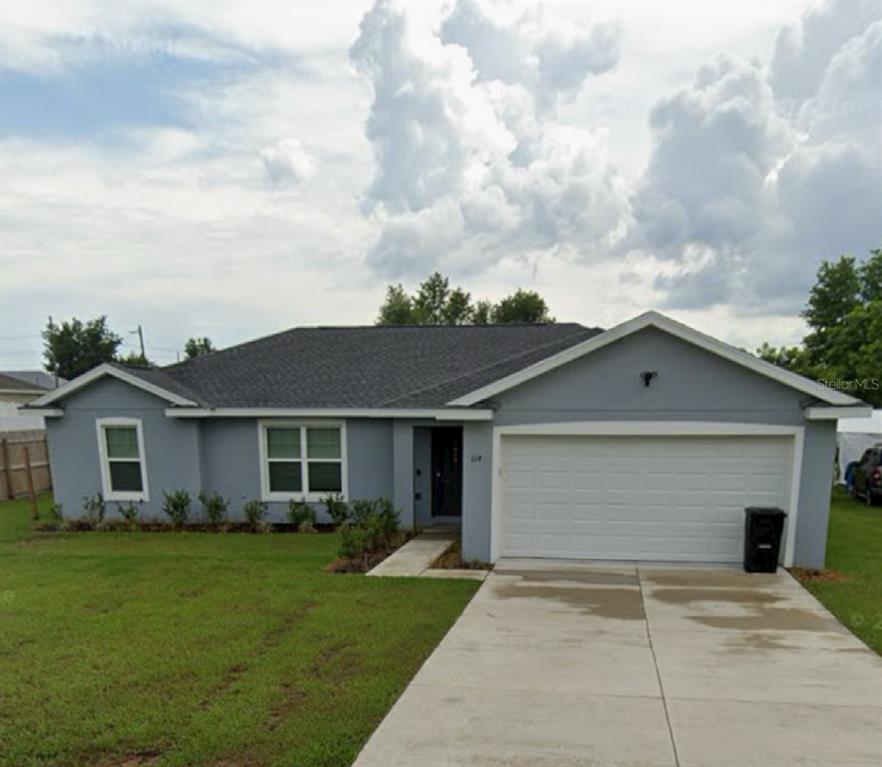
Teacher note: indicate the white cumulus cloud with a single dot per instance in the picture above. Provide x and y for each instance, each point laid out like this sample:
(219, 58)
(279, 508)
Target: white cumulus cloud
(757, 176)
(287, 161)
(471, 163)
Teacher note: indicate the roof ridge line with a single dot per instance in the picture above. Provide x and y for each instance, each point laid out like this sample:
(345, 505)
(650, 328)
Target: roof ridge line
(497, 363)
(184, 363)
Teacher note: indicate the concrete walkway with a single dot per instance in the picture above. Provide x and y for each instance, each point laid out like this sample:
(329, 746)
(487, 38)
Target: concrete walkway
(555, 665)
(415, 557)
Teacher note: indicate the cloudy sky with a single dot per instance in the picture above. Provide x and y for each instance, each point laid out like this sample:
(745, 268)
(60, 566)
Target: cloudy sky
(237, 168)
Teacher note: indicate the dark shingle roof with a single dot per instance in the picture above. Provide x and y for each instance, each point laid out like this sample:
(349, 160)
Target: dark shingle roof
(11, 382)
(39, 378)
(363, 367)
(159, 377)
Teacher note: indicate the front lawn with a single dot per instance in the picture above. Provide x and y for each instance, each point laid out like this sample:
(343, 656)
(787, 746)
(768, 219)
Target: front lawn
(854, 550)
(200, 648)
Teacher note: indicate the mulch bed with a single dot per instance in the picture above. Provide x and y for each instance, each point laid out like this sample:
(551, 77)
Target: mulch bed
(359, 564)
(452, 559)
(155, 526)
(808, 575)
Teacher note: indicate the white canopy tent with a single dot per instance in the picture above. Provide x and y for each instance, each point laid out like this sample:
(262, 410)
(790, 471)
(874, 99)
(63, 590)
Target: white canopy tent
(854, 435)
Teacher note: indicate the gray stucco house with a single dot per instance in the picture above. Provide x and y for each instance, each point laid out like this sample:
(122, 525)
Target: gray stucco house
(643, 442)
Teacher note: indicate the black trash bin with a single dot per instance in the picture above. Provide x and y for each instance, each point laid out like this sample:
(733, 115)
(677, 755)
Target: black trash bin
(763, 526)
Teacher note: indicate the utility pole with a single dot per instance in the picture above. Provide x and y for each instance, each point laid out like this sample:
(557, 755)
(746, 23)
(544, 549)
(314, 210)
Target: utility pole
(141, 339)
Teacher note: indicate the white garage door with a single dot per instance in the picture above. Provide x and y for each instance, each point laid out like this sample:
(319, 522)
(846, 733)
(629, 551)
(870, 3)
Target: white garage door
(641, 498)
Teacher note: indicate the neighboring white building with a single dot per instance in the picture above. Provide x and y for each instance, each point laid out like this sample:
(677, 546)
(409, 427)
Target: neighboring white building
(18, 388)
(854, 435)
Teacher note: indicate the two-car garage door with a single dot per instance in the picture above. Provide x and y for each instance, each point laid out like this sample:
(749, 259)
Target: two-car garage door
(673, 498)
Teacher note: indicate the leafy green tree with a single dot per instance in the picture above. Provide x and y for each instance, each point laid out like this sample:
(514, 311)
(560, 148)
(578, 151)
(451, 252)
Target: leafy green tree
(135, 359)
(835, 293)
(458, 309)
(521, 306)
(792, 358)
(73, 347)
(844, 314)
(483, 313)
(871, 277)
(431, 299)
(198, 347)
(436, 303)
(397, 309)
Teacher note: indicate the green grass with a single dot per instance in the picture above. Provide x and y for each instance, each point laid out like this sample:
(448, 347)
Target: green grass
(854, 549)
(200, 649)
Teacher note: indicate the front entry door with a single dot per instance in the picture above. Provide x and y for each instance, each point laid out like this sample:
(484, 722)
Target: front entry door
(447, 472)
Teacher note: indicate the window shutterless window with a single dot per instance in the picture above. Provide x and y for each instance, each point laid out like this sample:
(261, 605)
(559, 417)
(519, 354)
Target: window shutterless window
(302, 461)
(121, 452)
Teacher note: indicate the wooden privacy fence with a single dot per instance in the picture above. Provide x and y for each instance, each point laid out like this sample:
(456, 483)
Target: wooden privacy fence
(24, 464)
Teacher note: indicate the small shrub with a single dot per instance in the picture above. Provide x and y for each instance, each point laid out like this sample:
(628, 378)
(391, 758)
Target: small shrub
(215, 507)
(177, 506)
(255, 512)
(55, 512)
(93, 510)
(129, 512)
(338, 509)
(302, 516)
(372, 529)
(388, 515)
(362, 510)
(353, 542)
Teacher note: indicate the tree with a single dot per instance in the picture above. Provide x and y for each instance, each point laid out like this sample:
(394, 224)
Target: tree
(482, 314)
(397, 309)
(73, 347)
(431, 300)
(835, 293)
(135, 359)
(792, 358)
(844, 314)
(871, 277)
(521, 306)
(435, 303)
(458, 309)
(197, 347)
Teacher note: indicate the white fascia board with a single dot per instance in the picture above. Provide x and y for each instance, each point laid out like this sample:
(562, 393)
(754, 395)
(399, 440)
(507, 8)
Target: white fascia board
(81, 381)
(45, 412)
(666, 324)
(832, 413)
(438, 414)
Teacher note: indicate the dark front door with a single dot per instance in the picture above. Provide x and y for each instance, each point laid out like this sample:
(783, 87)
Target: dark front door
(447, 472)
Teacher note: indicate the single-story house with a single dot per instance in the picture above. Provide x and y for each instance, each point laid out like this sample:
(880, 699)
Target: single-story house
(17, 389)
(643, 442)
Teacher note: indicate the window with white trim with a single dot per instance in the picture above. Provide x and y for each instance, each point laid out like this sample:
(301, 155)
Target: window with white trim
(301, 460)
(123, 469)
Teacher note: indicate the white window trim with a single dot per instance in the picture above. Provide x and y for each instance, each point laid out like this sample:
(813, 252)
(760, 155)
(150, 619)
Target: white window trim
(305, 494)
(109, 493)
(655, 429)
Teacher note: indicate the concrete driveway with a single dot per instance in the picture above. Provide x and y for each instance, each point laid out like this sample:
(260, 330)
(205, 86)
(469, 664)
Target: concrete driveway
(569, 665)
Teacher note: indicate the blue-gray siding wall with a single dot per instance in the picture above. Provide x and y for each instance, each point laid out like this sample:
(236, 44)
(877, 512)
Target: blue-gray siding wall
(477, 450)
(171, 446)
(231, 464)
(215, 455)
(692, 385)
(819, 451)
